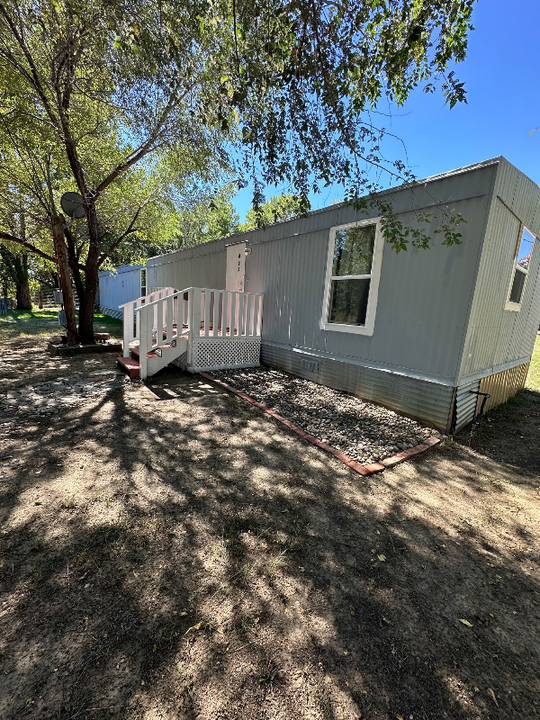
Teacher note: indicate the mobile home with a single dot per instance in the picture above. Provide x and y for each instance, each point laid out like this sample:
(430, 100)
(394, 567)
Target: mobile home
(420, 332)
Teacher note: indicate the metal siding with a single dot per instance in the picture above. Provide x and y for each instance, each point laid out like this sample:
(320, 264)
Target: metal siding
(428, 401)
(199, 266)
(423, 297)
(497, 337)
(421, 338)
(111, 292)
(466, 404)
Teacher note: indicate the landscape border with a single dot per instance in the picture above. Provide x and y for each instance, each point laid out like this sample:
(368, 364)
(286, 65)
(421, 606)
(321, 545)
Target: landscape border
(363, 470)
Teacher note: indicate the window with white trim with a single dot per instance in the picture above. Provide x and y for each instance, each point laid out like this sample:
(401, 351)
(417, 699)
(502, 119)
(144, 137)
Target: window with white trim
(352, 282)
(522, 259)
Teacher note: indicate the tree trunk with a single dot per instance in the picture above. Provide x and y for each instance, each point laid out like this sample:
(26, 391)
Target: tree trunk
(17, 268)
(86, 303)
(65, 278)
(40, 299)
(22, 294)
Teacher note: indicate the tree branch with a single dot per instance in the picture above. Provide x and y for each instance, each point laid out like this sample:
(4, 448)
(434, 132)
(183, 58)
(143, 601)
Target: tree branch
(130, 229)
(143, 149)
(27, 245)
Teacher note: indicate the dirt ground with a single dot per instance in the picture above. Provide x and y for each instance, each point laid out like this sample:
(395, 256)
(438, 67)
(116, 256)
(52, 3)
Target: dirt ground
(166, 552)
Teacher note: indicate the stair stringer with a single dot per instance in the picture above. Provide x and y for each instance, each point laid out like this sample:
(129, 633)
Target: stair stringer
(168, 355)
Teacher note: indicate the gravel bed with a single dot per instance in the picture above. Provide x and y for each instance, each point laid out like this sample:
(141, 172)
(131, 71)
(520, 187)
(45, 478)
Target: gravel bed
(364, 431)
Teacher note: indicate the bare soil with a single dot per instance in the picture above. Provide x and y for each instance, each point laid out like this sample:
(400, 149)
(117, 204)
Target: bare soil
(168, 552)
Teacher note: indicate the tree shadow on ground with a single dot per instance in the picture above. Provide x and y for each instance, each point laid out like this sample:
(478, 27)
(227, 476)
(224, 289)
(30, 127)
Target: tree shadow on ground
(189, 558)
(509, 433)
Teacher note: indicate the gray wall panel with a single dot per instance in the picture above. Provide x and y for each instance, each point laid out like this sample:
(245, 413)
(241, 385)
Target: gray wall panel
(200, 266)
(423, 297)
(497, 337)
(119, 286)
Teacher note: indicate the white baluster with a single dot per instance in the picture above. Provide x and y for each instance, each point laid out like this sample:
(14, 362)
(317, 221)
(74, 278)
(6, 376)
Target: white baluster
(127, 328)
(249, 303)
(138, 303)
(194, 300)
(169, 317)
(215, 316)
(224, 308)
(145, 341)
(241, 314)
(206, 313)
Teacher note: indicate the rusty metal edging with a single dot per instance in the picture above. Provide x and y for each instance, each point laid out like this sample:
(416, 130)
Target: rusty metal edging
(360, 469)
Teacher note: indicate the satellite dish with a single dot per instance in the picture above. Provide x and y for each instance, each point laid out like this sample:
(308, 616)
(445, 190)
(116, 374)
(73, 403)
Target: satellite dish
(73, 205)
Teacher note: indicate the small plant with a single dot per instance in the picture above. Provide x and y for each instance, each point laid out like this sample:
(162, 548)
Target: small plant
(68, 503)
(269, 670)
(272, 568)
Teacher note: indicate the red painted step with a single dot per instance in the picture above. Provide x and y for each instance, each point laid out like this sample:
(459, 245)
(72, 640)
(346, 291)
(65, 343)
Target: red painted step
(130, 366)
(135, 353)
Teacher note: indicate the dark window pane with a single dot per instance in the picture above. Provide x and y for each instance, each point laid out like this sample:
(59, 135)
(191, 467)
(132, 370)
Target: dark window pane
(349, 301)
(353, 251)
(517, 286)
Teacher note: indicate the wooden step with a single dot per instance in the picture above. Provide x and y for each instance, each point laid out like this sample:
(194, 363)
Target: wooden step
(135, 353)
(130, 366)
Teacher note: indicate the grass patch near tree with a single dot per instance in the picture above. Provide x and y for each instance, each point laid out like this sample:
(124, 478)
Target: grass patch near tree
(41, 323)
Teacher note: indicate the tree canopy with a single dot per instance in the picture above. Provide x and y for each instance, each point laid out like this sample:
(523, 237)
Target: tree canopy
(107, 85)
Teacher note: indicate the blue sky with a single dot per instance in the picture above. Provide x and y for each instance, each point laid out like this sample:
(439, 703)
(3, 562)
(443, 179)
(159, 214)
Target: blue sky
(502, 79)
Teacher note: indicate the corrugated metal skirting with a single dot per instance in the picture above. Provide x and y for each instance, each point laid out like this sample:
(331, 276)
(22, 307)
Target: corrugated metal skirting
(427, 401)
(503, 385)
(465, 404)
(117, 314)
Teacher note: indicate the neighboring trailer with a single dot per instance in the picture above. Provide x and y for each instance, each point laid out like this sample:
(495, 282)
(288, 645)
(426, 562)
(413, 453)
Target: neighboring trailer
(432, 324)
(119, 286)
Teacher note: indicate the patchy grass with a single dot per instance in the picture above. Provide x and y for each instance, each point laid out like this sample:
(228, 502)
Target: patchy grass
(41, 323)
(533, 378)
(24, 349)
(161, 559)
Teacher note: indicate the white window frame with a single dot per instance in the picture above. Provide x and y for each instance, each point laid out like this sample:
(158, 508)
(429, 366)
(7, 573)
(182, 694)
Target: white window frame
(374, 276)
(512, 306)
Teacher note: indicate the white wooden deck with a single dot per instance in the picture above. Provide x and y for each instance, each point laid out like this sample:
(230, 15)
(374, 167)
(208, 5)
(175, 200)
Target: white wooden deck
(197, 328)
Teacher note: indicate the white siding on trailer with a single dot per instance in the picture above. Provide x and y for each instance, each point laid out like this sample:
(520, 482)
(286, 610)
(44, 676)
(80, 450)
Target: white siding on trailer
(119, 286)
(498, 338)
(200, 266)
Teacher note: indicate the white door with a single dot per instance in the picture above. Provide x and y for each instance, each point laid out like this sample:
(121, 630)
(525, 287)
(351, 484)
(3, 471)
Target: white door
(236, 267)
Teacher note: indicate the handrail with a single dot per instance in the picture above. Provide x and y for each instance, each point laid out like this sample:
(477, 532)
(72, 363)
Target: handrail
(143, 297)
(155, 302)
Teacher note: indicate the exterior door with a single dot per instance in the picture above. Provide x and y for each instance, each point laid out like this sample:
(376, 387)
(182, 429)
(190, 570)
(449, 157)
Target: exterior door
(236, 267)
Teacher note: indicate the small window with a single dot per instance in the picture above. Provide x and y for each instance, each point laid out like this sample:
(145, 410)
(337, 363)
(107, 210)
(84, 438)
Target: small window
(143, 282)
(520, 270)
(354, 265)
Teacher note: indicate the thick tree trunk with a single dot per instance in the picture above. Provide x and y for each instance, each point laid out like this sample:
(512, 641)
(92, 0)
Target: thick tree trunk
(86, 305)
(22, 294)
(74, 263)
(65, 278)
(17, 267)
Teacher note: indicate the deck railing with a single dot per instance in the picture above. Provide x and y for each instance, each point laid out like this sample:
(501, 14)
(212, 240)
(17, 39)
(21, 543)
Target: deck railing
(132, 319)
(198, 312)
